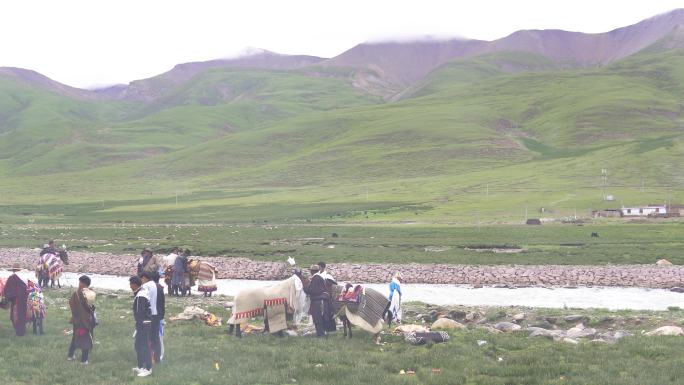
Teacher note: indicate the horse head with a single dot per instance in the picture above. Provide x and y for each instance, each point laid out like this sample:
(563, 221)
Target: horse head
(64, 256)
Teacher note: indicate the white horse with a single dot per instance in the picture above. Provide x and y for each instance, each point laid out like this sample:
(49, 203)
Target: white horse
(275, 303)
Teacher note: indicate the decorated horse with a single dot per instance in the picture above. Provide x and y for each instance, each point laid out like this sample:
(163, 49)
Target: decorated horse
(204, 274)
(277, 303)
(49, 269)
(357, 305)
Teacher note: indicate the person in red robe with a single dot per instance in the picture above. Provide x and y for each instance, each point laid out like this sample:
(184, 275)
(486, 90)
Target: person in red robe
(83, 321)
(17, 296)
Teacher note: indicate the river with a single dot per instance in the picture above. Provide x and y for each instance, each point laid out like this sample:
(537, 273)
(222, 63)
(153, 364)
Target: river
(613, 298)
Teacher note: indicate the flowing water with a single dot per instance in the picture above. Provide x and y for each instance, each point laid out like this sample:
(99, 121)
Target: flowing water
(584, 297)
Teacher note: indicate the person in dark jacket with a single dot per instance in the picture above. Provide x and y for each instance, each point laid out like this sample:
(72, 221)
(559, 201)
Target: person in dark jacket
(321, 305)
(143, 323)
(179, 270)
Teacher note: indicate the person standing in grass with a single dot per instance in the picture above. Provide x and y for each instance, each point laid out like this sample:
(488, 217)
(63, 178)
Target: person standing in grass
(321, 306)
(147, 262)
(159, 319)
(143, 324)
(83, 321)
(16, 294)
(150, 286)
(179, 270)
(395, 298)
(36, 307)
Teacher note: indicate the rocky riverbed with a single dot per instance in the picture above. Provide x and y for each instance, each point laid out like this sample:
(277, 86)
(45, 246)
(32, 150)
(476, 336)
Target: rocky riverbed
(646, 276)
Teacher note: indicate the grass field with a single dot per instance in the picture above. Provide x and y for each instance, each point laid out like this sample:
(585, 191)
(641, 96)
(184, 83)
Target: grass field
(197, 354)
(565, 244)
(473, 142)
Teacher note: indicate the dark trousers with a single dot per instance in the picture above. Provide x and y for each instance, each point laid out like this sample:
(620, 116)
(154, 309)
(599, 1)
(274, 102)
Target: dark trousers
(142, 345)
(155, 342)
(317, 315)
(72, 349)
(37, 325)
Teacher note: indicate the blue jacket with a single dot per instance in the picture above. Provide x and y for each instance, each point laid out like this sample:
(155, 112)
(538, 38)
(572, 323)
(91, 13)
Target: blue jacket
(394, 286)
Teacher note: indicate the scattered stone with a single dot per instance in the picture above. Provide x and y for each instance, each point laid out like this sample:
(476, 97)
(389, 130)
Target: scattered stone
(507, 327)
(575, 318)
(580, 331)
(447, 324)
(570, 341)
(540, 332)
(543, 324)
(663, 262)
(677, 289)
(666, 331)
(519, 317)
(457, 314)
(551, 320)
(471, 316)
(489, 329)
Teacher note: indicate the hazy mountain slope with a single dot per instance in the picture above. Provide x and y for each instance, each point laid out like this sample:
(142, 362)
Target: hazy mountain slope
(407, 63)
(44, 132)
(161, 85)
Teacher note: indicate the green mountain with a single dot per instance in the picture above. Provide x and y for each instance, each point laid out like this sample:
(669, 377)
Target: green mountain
(488, 136)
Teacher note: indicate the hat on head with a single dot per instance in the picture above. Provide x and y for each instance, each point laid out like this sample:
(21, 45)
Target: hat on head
(314, 268)
(15, 267)
(146, 250)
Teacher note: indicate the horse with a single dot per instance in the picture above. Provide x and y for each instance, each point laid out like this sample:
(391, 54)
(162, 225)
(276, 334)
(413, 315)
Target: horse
(277, 303)
(367, 312)
(204, 274)
(50, 268)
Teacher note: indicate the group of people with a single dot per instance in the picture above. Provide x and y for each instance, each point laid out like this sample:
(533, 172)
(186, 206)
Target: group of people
(149, 307)
(175, 269)
(319, 291)
(26, 303)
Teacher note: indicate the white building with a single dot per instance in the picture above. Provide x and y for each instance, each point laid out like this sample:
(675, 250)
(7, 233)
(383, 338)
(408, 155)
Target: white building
(644, 211)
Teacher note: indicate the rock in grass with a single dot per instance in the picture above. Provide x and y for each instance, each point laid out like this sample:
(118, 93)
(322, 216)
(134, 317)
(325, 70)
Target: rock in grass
(541, 332)
(571, 341)
(580, 331)
(519, 317)
(447, 324)
(575, 318)
(666, 331)
(507, 326)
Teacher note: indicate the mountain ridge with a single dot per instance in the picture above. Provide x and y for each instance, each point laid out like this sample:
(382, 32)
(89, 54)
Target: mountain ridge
(398, 65)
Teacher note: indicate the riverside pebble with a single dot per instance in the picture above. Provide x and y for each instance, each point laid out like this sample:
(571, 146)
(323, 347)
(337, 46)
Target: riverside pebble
(646, 276)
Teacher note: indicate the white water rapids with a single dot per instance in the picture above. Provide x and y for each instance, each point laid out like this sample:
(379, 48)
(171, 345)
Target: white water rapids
(612, 298)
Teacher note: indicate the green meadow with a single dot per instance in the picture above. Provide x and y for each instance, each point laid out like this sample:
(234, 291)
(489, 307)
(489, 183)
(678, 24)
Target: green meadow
(198, 354)
(562, 244)
(475, 142)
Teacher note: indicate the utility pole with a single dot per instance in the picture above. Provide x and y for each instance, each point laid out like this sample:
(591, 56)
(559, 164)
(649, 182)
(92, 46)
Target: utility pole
(604, 178)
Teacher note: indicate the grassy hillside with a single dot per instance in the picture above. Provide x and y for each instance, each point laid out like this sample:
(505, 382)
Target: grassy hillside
(483, 139)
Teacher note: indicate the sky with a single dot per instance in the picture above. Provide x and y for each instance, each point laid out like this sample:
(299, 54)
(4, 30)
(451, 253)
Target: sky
(91, 43)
